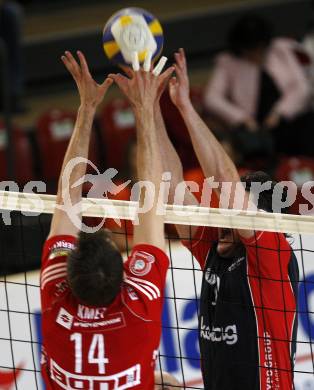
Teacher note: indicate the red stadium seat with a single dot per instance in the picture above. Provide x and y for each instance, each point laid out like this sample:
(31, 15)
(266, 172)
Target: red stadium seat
(54, 129)
(118, 130)
(22, 155)
(299, 170)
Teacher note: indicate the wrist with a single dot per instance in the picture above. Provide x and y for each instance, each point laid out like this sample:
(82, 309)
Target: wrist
(185, 107)
(88, 108)
(141, 112)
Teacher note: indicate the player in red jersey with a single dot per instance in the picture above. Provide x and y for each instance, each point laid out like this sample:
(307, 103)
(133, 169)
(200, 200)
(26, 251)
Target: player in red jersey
(101, 318)
(248, 303)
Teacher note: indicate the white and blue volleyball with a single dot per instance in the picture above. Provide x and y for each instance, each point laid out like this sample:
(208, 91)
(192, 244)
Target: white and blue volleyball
(132, 30)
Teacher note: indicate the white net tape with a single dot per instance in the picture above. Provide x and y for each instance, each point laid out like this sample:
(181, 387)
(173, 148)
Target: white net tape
(184, 215)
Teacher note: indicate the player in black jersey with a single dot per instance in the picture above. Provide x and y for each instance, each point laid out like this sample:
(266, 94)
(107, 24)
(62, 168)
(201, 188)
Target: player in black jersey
(248, 305)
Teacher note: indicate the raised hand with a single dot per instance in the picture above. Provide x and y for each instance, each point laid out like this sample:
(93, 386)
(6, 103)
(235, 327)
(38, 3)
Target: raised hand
(90, 92)
(179, 86)
(142, 87)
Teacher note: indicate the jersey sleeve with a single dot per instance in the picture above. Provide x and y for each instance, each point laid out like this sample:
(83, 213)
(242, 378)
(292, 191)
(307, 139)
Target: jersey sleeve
(268, 254)
(54, 268)
(145, 278)
(201, 243)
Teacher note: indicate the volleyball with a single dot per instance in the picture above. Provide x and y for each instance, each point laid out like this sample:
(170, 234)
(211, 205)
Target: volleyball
(132, 30)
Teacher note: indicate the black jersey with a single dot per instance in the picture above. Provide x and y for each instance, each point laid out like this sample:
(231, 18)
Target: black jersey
(247, 323)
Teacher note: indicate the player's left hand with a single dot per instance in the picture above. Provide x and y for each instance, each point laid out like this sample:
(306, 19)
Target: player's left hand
(91, 93)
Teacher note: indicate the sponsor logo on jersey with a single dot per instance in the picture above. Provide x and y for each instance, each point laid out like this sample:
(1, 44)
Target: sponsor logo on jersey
(218, 334)
(91, 313)
(58, 253)
(63, 244)
(141, 263)
(61, 287)
(131, 293)
(236, 264)
(60, 248)
(210, 278)
(122, 380)
(64, 318)
(95, 318)
(272, 375)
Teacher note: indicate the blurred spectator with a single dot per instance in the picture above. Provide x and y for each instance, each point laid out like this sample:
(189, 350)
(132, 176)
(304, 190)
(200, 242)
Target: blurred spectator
(308, 49)
(11, 21)
(260, 90)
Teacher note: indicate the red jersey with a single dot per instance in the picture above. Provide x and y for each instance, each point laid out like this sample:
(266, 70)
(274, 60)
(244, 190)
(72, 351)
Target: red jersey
(248, 306)
(98, 348)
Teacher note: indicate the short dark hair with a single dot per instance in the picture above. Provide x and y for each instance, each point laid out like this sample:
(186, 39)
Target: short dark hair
(95, 269)
(249, 32)
(266, 201)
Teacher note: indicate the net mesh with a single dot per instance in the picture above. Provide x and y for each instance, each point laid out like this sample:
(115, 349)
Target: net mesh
(20, 330)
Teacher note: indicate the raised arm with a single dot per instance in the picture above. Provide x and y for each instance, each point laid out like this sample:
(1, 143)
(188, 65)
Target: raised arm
(91, 94)
(172, 163)
(211, 155)
(213, 159)
(142, 91)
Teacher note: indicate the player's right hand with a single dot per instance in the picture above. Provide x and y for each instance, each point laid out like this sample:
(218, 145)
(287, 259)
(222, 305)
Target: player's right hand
(91, 93)
(142, 87)
(179, 86)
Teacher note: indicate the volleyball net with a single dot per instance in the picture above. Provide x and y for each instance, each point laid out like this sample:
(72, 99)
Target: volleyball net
(24, 227)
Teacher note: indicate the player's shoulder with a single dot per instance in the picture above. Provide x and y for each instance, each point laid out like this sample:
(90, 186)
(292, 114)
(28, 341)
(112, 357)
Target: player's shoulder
(271, 241)
(54, 263)
(144, 280)
(56, 246)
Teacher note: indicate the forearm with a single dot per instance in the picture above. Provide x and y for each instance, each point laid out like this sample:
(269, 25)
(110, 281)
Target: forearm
(150, 228)
(78, 147)
(172, 163)
(148, 154)
(169, 156)
(170, 160)
(211, 155)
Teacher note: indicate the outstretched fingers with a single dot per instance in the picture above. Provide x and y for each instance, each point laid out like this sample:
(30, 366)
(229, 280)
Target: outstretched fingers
(83, 63)
(164, 79)
(180, 59)
(106, 84)
(159, 67)
(128, 71)
(120, 80)
(172, 84)
(167, 73)
(148, 62)
(71, 64)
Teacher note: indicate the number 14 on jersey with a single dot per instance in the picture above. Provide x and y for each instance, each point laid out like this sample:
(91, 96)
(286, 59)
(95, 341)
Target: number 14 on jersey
(96, 352)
